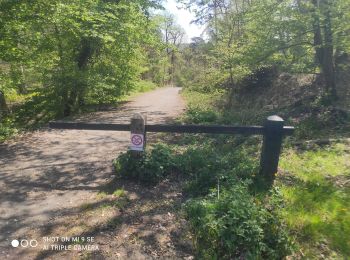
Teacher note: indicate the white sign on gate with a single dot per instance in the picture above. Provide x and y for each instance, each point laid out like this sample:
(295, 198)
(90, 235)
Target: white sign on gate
(137, 142)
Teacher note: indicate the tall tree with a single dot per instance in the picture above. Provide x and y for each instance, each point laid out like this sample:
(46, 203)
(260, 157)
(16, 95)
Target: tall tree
(291, 35)
(75, 50)
(173, 37)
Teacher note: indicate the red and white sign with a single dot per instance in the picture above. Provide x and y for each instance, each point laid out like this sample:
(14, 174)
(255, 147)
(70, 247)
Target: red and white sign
(137, 142)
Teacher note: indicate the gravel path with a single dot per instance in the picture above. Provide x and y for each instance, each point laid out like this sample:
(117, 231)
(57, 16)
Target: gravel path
(51, 173)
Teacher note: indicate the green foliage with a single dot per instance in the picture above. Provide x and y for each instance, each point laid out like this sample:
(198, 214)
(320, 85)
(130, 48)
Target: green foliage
(200, 107)
(200, 116)
(7, 129)
(232, 224)
(291, 36)
(144, 86)
(58, 56)
(317, 199)
(227, 221)
(313, 183)
(215, 164)
(119, 193)
(150, 168)
(322, 120)
(211, 108)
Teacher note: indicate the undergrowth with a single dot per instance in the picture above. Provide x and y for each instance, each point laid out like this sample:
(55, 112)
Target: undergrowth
(228, 219)
(233, 224)
(305, 215)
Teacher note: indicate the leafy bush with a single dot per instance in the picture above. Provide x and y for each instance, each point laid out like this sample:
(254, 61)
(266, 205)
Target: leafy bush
(7, 129)
(237, 225)
(150, 168)
(143, 86)
(207, 166)
(197, 116)
(201, 107)
(323, 121)
(226, 220)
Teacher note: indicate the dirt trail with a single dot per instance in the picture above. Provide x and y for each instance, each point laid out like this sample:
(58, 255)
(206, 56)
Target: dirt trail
(50, 179)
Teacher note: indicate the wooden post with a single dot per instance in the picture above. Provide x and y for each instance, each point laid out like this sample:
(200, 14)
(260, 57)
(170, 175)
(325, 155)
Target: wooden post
(144, 115)
(137, 129)
(271, 148)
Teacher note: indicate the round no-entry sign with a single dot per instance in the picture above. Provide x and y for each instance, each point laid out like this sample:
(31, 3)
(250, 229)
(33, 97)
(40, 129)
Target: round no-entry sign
(137, 142)
(137, 139)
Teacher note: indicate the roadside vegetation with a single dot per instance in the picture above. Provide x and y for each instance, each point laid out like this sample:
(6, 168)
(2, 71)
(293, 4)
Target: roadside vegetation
(312, 183)
(264, 58)
(306, 214)
(61, 58)
(289, 58)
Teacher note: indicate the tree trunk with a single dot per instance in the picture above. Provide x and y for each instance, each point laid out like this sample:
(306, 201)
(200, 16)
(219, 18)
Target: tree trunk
(76, 95)
(172, 67)
(65, 106)
(317, 34)
(22, 87)
(328, 57)
(62, 89)
(324, 45)
(3, 105)
(18, 77)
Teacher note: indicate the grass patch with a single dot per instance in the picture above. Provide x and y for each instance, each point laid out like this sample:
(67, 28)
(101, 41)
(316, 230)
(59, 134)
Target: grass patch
(102, 195)
(140, 87)
(318, 199)
(119, 193)
(121, 203)
(201, 107)
(114, 223)
(86, 206)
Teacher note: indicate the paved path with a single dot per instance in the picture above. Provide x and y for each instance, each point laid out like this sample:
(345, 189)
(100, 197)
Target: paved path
(47, 172)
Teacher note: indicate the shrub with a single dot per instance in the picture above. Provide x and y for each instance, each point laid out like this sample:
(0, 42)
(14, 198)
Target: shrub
(143, 86)
(196, 116)
(152, 166)
(206, 166)
(7, 129)
(237, 225)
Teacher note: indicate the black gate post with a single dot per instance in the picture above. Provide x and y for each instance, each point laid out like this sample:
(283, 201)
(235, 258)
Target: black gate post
(271, 149)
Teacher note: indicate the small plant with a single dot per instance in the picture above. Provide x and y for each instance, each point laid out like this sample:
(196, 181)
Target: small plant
(7, 128)
(101, 195)
(121, 203)
(206, 167)
(115, 222)
(196, 116)
(119, 193)
(86, 206)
